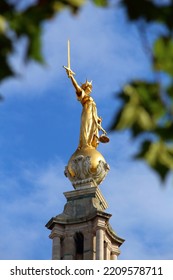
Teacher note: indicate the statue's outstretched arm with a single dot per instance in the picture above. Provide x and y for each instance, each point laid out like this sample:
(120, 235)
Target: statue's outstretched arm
(74, 82)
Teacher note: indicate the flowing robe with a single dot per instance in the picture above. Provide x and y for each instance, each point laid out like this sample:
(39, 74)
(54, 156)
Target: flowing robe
(89, 133)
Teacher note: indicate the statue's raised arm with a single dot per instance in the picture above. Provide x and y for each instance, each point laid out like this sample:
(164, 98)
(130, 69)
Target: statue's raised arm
(70, 74)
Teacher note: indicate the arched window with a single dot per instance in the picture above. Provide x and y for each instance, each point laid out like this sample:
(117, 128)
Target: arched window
(79, 244)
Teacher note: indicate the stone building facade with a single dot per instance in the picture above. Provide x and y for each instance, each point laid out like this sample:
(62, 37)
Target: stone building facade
(83, 231)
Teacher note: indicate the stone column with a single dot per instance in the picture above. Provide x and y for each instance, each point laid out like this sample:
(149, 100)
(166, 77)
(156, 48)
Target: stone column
(69, 248)
(56, 247)
(99, 244)
(88, 246)
(115, 252)
(94, 247)
(107, 251)
(113, 256)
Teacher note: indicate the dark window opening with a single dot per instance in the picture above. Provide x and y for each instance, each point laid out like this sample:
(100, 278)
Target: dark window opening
(79, 243)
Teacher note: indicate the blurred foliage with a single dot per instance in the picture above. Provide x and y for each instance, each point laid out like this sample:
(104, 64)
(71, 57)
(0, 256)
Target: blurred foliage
(16, 23)
(147, 107)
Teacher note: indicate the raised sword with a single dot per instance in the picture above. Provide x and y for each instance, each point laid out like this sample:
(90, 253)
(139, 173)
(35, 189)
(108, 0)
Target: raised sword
(68, 58)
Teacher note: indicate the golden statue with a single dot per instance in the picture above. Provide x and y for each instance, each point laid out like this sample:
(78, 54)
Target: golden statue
(87, 165)
(90, 122)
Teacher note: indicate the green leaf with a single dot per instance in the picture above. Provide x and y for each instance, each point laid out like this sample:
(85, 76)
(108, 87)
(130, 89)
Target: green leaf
(143, 149)
(140, 9)
(5, 70)
(102, 3)
(170, 91)
(34, 46)
(165, 132)
(150, 11)
(163, 55)
(158, 155)
(149, 98)
(6, 45)
(3, 24)
(141, 108)
(6, 8)
(144, 120)
(6, 48)
(25, 26)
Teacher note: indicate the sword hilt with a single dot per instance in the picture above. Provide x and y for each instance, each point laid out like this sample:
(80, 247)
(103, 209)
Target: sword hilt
(68, 69)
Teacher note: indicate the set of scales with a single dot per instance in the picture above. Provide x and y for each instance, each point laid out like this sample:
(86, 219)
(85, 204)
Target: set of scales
(86, 166)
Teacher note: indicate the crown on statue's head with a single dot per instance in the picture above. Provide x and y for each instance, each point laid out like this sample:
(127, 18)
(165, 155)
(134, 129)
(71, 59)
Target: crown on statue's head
(87, 84)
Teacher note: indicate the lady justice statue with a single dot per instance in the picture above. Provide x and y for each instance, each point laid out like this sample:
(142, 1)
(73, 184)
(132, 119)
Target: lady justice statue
(90, 122)
(86, 164)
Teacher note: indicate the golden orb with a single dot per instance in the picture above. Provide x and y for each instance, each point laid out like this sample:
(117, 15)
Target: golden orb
(86, 165)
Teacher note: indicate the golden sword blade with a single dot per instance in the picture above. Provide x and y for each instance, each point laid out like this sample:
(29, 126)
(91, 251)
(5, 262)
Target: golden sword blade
(68, 58)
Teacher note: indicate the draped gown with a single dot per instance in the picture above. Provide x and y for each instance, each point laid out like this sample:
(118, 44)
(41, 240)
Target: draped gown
(89, 132)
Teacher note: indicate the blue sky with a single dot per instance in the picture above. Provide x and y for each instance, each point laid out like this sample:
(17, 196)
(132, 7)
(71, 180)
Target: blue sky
(39, 124)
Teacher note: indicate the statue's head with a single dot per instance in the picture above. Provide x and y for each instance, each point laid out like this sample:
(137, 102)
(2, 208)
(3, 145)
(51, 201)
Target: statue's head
(87, 86)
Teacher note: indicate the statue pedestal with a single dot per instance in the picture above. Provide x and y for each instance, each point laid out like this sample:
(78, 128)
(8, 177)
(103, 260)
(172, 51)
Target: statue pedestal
(83, 231)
